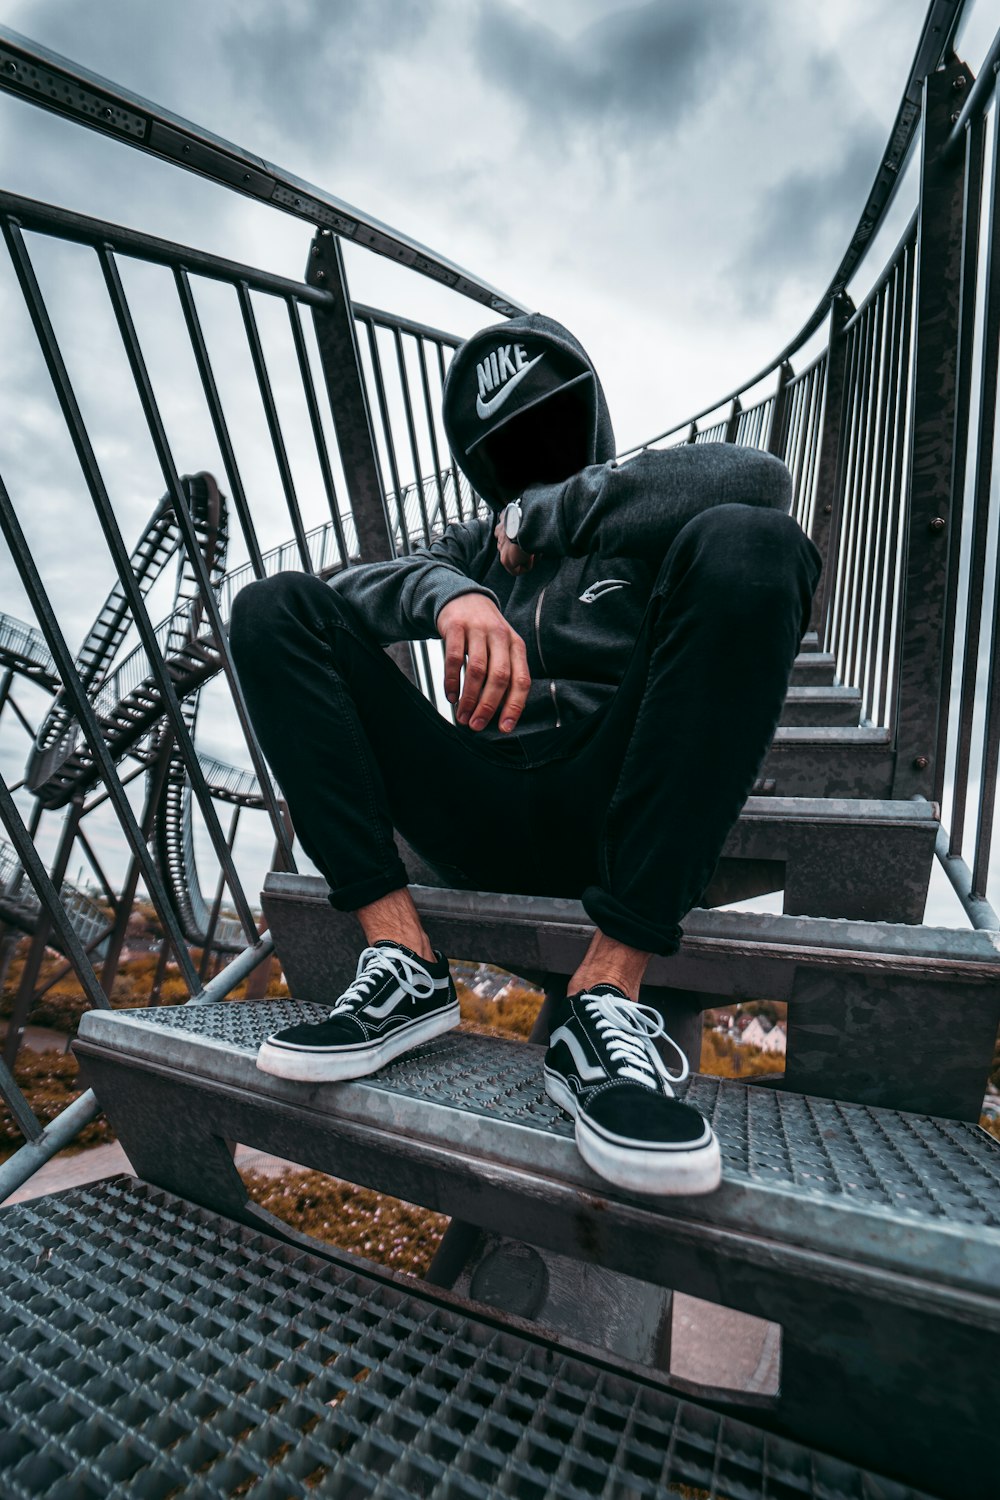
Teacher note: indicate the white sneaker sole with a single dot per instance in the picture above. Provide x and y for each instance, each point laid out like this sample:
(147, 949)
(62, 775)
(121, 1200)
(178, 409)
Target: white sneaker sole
(310, 1065)
(670, 1173)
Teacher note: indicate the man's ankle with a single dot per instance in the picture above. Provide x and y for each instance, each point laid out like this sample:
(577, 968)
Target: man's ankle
(420, 946)
(394, 919)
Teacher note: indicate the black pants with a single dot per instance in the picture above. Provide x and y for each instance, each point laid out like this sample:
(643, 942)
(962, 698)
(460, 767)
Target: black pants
(627, 810)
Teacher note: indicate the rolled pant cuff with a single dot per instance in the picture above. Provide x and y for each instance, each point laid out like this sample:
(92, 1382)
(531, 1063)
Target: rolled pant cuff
(625, 926)
(364, 892)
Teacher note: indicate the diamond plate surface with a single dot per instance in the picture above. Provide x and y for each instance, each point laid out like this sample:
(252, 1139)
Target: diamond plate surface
(149, 1348)
(915, 1165)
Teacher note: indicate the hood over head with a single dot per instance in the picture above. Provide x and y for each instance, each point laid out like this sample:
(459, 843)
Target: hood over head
(523, 405)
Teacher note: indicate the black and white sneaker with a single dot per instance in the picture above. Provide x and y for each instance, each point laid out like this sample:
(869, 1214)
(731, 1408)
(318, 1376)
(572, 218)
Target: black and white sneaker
(601, 1067)
(397, 1000)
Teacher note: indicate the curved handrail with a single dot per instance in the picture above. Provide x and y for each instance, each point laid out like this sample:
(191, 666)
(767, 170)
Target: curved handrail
(23, 650)
(32, 72)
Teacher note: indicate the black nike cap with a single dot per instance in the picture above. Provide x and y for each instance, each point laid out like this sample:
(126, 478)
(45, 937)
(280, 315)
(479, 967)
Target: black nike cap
(495, 378)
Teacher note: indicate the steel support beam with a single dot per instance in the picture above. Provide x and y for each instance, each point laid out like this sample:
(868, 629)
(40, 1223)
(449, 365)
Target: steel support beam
(345, 385)
(923, 629)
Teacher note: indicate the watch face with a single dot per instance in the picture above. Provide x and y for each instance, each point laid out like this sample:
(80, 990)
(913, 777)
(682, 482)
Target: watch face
(512, 520)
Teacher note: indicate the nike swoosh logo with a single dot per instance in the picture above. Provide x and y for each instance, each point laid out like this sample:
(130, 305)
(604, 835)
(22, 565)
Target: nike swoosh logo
(605, 586)
(487, 408)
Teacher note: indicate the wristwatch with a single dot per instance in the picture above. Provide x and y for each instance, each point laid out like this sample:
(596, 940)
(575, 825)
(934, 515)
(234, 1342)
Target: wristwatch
(512, 521)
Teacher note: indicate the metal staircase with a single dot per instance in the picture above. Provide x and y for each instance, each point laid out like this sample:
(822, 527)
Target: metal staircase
(162, 1335)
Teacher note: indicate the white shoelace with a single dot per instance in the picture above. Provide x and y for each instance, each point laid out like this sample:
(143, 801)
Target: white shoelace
(376, 964)
(628, 1030)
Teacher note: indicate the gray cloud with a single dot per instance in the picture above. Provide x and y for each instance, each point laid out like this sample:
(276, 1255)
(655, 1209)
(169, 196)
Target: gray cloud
(635, 68)
(313, 67)
(802, 223)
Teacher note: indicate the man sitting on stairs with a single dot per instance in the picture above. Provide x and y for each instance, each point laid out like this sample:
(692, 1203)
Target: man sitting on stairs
(618, 644)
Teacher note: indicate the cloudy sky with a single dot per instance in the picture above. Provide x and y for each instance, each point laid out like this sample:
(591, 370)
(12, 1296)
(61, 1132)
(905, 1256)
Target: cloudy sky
(675, 180)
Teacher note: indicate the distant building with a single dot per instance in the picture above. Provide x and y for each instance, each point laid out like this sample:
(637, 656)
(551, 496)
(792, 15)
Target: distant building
(760, 1033)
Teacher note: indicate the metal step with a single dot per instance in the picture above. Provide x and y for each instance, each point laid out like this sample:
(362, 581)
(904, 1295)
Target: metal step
(153, 1348)
(868, 1002)
(839, 761)
(821, 706)
(864, 859)
(873, 1238)
(814, 668)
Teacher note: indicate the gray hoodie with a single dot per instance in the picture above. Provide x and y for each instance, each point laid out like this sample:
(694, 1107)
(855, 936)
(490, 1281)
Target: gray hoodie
(600, 535)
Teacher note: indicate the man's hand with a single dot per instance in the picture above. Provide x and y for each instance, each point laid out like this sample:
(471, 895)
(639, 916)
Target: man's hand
(476, 635)
(513, 557)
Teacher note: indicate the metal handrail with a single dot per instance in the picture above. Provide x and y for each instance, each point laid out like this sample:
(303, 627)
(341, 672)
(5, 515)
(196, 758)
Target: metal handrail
(42, 77)
(977, 100)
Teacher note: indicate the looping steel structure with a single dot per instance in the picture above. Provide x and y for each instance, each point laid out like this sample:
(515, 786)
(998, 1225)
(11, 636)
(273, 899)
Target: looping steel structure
(857, 1220)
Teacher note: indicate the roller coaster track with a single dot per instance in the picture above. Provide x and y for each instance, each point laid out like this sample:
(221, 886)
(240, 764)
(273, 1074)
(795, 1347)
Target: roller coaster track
(127, 698)
(20, 906)
(23, 650)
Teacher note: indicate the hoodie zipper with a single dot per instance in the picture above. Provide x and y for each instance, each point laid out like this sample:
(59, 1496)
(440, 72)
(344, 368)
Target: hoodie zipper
(541, 658)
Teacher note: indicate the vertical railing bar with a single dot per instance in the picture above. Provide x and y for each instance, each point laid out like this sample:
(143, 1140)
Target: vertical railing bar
(878, 389)
(411, 432)
(856, 492)
(802, 423)
(827, 494)
(390, 448)
(991, 755)
(867, 534)
(815, 434)
(845, 485)
(981, 497)
(891, 573)
(210, 603)
(828, 584)
(432, 428)
(459, 508)
(799, 443)
(273, 424)
(847, 489)
(315, 421)
(891, 436)
(863, 520)
(882, 458)
(972, 207)
(893, 639)
(200, 350)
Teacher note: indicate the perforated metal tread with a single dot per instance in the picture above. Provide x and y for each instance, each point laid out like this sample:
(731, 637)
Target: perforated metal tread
(915, 1166)
(149, 1349)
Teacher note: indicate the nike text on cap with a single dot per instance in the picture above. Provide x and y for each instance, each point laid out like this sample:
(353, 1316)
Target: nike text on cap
(506, 379)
